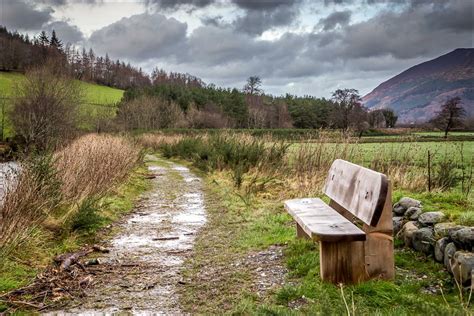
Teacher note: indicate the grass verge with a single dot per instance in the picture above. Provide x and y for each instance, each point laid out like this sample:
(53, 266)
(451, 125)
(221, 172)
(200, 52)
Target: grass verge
(219, 282)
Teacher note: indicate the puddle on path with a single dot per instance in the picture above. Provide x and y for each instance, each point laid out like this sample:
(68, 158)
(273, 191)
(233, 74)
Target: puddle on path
(142, 271)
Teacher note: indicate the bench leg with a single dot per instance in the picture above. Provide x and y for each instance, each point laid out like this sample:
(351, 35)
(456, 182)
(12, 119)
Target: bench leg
(342, 262)
(300, 233)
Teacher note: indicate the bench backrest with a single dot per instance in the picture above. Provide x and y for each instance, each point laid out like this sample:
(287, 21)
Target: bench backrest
(359, 190)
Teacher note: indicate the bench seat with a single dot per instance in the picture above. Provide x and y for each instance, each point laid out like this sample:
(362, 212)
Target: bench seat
(321, 222)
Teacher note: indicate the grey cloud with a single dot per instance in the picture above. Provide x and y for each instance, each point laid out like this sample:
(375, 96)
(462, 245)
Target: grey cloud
(261, 15)
(430, 30)
(66, 32)
(172, 4)
(341, 18)
(141, 37)
(22, 15)
(264, 4)
(258, 21)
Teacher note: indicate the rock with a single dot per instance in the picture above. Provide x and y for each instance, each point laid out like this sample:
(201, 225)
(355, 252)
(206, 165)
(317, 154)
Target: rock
(463, 238)
(397, 224)
(448, 254)
(431, 218)
(413, 213)
(462, 266)
(398, 210)
(407, 232)
(445, 229)
(423, 240)
(408, 202)
(439, 248)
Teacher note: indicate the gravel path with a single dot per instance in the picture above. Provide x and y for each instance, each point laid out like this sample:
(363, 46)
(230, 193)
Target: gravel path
(141, 274)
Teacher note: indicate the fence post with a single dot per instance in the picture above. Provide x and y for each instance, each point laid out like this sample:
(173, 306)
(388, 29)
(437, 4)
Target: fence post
(429, 171)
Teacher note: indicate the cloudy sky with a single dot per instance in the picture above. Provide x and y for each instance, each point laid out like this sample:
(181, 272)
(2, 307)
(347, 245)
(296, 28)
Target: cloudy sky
(296, 46)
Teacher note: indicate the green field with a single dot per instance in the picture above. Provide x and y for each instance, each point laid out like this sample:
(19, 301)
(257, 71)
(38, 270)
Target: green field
(364, 153)
(98, 100)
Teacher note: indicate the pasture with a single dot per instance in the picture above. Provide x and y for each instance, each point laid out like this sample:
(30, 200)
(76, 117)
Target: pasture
(98, 101)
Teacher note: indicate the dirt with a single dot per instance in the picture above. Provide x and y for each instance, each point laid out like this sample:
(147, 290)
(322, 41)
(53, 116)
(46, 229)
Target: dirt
(142, 271)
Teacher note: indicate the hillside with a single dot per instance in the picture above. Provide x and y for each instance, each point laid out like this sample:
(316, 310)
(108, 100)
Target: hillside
(417, 93)
(97, 98)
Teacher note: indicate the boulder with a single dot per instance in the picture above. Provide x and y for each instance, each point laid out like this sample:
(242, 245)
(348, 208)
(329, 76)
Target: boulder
(398, 210)
(463, 238)
(423, 240)
(445, 229)
(397, 224)
(449, 252)
(413, 213)
(408, 202)
(462, 266)
(431, 218)
(404, 204)
(407, 232)
(440, 246)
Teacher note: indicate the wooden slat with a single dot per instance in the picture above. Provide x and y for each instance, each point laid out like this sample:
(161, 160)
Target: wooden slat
(359, 190)
(321, 222)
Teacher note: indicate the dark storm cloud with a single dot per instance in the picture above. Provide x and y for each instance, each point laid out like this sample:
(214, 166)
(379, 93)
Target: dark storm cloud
(341, 18)
(23, 15)
(426, 31)
(265, 4)
(262, 15)
(140, 37)
(258, 21)
(172, 4)
(259, 15)
(66, 33)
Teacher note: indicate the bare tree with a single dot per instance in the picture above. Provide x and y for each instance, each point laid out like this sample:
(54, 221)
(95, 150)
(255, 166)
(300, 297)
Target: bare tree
(149, 113)
(450, 115)
(45, 112)
(252, 86)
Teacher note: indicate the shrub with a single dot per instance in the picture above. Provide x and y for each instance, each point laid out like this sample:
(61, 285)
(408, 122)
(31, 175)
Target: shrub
(45, 112)
(87, 218)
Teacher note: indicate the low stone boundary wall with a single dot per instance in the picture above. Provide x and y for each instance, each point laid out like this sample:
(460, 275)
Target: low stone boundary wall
(431, 233)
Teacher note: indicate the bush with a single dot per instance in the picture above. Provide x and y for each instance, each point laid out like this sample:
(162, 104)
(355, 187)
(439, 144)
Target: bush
(45, 112)
(87, 217)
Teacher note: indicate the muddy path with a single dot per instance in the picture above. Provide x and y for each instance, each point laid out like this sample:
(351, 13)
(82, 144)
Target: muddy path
(141, 274)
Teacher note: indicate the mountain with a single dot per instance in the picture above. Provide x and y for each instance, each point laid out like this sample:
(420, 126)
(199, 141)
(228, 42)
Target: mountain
(417, 93)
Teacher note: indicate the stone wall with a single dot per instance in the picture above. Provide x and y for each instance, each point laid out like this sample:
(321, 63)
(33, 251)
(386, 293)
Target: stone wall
(431, 233)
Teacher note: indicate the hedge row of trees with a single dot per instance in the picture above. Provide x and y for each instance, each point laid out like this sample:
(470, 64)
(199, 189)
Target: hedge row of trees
(215, 107)
(19, 52)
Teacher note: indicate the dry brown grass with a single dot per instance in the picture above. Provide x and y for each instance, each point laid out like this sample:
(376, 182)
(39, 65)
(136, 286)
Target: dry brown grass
(53, 187)
(93, 164)
(155, 140)
(32, 193)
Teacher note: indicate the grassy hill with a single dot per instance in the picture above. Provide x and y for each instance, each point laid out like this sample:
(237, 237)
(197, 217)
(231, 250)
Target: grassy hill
(98, 100)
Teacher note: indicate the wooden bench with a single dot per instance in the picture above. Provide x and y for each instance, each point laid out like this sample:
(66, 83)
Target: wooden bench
(355, 229)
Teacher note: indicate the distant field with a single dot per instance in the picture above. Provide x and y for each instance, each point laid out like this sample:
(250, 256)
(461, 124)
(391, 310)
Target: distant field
(366, 152)
(98, 100)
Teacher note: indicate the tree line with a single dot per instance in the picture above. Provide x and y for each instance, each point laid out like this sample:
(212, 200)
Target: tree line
(199, 105)
(19, 52)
